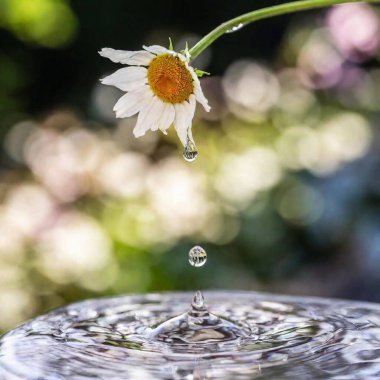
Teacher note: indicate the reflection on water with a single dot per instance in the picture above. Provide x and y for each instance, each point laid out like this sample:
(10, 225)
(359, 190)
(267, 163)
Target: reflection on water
(285, 338)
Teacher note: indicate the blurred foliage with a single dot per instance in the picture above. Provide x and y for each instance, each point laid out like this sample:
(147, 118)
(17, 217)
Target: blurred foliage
(284, 195)
(49, 23)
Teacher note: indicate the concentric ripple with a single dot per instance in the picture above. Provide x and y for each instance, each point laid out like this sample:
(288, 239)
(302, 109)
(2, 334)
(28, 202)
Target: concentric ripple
(254, 336)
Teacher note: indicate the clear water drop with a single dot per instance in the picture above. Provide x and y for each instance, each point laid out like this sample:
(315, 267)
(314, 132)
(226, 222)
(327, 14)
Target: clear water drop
(235, 28)
(198, 301)
(197, 256)
(190, 152)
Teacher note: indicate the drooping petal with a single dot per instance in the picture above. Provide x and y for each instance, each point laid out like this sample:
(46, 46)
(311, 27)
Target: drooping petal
(156, 49)
(190, 135)
(138, 58)
(200, 97)
(167, 117)
(132, 102)
(148, 116)
(127, 78)
(184, 113)
(198, 90)
(159, 109)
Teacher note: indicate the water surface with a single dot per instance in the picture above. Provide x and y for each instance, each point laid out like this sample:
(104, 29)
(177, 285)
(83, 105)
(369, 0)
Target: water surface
(255, 336)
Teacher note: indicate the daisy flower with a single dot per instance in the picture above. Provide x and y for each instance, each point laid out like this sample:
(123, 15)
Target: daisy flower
(160, 86)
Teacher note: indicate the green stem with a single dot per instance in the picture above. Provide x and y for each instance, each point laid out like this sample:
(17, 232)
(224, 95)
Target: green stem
(261, 14)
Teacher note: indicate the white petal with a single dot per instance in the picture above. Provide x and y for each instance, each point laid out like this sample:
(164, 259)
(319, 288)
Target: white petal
(201, 98)
(127, 78)
(190, 135)
(184, 113)
(132, 102)
(158, 109)
(116, 55)
(156, 49)
(182, 57)
(139, 57)
(198, 90)
(148, 117)
(167, 117)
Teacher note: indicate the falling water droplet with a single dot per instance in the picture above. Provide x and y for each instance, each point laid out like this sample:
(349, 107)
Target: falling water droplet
(190, 152)
(197, 256)
(235, 28)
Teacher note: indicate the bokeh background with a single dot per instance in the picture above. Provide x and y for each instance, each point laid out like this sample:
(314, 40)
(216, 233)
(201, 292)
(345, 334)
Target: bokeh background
(285, 193)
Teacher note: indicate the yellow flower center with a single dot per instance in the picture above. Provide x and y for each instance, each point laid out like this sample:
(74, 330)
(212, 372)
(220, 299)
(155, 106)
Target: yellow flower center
(169, 79)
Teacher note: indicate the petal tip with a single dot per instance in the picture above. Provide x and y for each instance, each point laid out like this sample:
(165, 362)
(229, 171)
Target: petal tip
(103, 51)
(138, 134)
